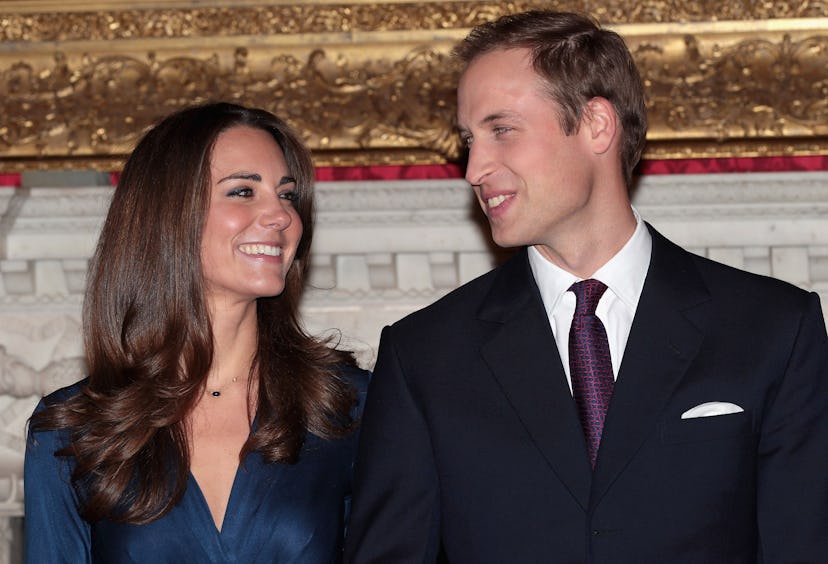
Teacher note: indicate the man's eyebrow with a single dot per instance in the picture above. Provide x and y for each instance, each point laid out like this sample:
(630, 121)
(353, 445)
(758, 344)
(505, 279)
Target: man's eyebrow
(493, 117)
(497, 116)
(242, 176)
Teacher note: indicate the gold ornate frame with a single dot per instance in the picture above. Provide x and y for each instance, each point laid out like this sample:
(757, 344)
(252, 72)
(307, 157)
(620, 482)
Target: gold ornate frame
(371, 81)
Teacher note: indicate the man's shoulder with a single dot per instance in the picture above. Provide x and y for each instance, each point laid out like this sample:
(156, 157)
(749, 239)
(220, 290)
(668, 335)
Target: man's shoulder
(464, 298)
(721, 278)
(725, 280)
(462, 302)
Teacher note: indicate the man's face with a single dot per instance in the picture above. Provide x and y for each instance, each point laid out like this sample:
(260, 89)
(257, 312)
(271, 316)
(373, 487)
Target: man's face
(534, 183)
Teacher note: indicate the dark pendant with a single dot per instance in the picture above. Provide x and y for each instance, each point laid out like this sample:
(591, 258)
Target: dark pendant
(215, 394)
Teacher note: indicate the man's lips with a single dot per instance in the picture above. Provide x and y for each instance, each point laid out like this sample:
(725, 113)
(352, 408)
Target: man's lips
(494, 201)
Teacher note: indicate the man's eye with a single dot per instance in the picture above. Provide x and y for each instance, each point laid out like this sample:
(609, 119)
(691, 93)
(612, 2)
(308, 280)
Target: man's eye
(501, 130)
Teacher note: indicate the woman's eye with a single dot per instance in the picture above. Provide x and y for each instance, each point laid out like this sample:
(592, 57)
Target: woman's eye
(289, 195)
(241, 192)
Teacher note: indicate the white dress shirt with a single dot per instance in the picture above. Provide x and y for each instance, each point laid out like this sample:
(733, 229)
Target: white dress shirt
(623, 275)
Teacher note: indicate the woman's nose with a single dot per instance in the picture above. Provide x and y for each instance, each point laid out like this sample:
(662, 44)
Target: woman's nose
(276, 214)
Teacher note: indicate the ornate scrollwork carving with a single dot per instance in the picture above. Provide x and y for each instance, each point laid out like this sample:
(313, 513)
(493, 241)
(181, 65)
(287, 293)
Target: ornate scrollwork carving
(756, 88)
(339, 103)
(372, 82)
(116, 22)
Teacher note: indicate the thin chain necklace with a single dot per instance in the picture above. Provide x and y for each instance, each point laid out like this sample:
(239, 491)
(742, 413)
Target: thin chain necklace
(217, 393)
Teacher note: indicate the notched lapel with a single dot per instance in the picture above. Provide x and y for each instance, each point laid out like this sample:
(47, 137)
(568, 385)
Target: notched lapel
(666, 336)
(524, 360)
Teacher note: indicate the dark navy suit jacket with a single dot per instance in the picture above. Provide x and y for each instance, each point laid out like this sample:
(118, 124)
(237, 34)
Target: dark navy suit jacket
(471, 448)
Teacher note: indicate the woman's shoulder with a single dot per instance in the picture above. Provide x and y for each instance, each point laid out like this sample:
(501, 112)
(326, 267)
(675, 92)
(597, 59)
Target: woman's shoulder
(43, 437)
(60, 395)
(355, 376)
(45, 432)
(357, 379)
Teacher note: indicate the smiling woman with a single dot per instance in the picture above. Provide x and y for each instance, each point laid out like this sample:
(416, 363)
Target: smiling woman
(209, 418)
(252, 228)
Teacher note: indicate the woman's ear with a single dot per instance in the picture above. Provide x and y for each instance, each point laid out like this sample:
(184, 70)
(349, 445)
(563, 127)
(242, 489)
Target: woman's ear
(601, 121)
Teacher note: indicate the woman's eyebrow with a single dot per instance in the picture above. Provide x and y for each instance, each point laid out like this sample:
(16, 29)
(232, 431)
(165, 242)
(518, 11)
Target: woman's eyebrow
(242, 176)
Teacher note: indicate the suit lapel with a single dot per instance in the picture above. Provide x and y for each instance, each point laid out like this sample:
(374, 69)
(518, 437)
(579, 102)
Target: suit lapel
(524, 360)
(665, 337)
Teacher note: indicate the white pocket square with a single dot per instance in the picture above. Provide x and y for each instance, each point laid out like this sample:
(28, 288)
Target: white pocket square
(710, 409)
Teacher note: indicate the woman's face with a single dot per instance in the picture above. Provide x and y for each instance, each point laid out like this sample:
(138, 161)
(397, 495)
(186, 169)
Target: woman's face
(252, 228)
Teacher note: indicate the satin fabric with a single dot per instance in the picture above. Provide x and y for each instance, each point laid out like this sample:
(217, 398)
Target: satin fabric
(276, 512)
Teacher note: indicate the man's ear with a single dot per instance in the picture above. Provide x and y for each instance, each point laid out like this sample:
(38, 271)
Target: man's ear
(601, 121)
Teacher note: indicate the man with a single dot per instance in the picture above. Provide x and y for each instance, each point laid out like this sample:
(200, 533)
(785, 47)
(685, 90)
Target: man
(498, 431)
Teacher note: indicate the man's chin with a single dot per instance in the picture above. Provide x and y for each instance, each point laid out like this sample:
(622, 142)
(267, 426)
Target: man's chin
(505, 241)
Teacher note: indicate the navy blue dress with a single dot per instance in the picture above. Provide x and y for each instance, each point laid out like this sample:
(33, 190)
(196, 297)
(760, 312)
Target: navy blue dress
(276, 512)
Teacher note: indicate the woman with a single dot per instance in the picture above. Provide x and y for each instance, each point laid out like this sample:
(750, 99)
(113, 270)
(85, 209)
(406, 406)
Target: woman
(211, 427)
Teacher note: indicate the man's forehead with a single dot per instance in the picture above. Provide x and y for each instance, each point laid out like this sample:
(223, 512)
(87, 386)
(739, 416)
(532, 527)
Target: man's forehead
(485, 95)
(511, 60)
(503, 71)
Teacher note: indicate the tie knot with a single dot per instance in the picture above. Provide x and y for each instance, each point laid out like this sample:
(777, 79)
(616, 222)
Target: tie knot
(587, 294)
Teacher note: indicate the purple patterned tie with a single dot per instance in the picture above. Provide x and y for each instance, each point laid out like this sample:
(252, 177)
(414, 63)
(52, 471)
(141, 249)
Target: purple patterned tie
(590, 366)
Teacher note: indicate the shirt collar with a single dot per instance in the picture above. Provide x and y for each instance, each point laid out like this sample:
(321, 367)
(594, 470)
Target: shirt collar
(623, 274)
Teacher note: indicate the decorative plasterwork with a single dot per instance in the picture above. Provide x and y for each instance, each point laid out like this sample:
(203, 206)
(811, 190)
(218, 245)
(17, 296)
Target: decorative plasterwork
(371, 82)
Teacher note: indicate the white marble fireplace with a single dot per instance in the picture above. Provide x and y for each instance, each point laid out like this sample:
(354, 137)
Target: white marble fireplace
(382, 249)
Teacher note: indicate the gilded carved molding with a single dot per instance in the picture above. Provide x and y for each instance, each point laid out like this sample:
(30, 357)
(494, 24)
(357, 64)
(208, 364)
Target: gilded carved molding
(51, 21)
(372, 82)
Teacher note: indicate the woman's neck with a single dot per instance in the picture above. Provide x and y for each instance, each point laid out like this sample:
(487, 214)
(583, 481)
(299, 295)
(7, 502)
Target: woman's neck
(235, 340)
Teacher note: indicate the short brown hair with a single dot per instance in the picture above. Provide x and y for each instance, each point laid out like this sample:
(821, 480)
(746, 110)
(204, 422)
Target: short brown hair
(578, 60)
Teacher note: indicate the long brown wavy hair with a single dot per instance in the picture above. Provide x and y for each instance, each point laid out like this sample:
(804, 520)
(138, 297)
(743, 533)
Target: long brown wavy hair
(148, 337)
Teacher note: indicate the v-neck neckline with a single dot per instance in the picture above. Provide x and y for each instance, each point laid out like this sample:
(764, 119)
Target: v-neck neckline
(205, 507)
